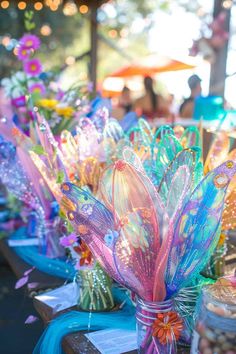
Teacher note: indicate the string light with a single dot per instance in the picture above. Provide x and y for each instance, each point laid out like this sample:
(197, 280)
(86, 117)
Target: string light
(70, 8)
(83, 9)
(38, 6)
(4, 4)
(22, 5)
(53, 4)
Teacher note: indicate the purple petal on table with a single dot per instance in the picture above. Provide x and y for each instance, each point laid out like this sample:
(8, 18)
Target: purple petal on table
(33, 285)
(31, 319)
(21, 282)
(27, 272)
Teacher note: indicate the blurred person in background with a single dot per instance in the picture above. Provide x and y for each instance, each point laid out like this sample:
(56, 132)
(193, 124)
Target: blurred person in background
(124, 104)
(151, 105)
(125, 100)
(187, 107)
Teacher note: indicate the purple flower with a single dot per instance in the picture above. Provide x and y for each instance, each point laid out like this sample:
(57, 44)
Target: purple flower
(60, 94)
(67, 241)
(19, 101)
(33, 67)
(38, 87)
(30, 41)
(23, 53)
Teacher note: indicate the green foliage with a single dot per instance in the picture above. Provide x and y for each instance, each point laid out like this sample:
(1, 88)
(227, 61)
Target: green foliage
(29, 23)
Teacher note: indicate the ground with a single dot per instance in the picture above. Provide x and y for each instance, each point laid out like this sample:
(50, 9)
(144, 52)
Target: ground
(15, 336)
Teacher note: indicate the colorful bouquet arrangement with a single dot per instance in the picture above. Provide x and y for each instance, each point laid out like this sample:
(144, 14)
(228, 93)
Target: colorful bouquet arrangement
(32, 90)
(154, 240)
(80, 159)
(23, 180)
(219, 152)
(94, 284)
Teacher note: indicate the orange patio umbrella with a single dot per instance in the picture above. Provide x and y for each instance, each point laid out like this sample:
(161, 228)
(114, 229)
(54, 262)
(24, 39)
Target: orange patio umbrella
(152, 65)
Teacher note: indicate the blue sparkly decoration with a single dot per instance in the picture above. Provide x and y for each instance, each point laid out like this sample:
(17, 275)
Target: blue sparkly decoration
(74, 321)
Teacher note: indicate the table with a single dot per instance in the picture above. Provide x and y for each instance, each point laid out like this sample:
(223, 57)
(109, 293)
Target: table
(75, 343)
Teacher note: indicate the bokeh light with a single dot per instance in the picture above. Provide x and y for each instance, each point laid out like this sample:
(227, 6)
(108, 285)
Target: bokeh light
(4, 4)
(45, 30)
(83, 9)
(38, 6)
(22, 5)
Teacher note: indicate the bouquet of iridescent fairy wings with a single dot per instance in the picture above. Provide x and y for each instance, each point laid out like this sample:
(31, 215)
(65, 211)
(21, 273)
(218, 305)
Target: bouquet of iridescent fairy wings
(153, 231)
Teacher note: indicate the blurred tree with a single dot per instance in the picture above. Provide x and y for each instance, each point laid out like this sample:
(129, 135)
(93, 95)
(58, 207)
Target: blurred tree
(124, 26)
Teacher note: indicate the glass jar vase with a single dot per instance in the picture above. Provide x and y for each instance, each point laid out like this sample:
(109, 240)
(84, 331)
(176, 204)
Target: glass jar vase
(95, 292)
(159, 327)
(216, 321)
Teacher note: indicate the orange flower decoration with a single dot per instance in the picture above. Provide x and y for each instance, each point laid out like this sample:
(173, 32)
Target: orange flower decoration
(85, 254)
(83, 230)
(167, 327)
(15, 132)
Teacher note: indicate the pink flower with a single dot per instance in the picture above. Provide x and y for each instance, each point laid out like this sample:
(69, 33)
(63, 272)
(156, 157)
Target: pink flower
(38, 87)
(33, 67)
(30, 41)
(23, 53)
(69, 240)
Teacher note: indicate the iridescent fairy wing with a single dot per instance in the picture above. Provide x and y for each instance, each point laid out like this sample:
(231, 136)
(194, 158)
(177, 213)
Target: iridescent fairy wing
(100, 118)
(88, 141)
(168, 148)
(176, 199)
(229, 214)
(40, 187)
(232, 186)
(45, 136)
(146, 132)
(191, 137)
(112, 129)
(53, 156)
(51, 178)
(134, 207)
(93, 223)
(123, 143)
(100, 218)
(195, 234)
(68, 145)
(161, 132)
(186, 157)
(218, 151)
(70, 152)
(89, 173)
(178, 191)
(178, 131)
(106, 150)
(132, 158)
(13, 176)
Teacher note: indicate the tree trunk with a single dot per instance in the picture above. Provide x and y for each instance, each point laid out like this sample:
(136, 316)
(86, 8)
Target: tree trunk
(94, 44)
(218, 68)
